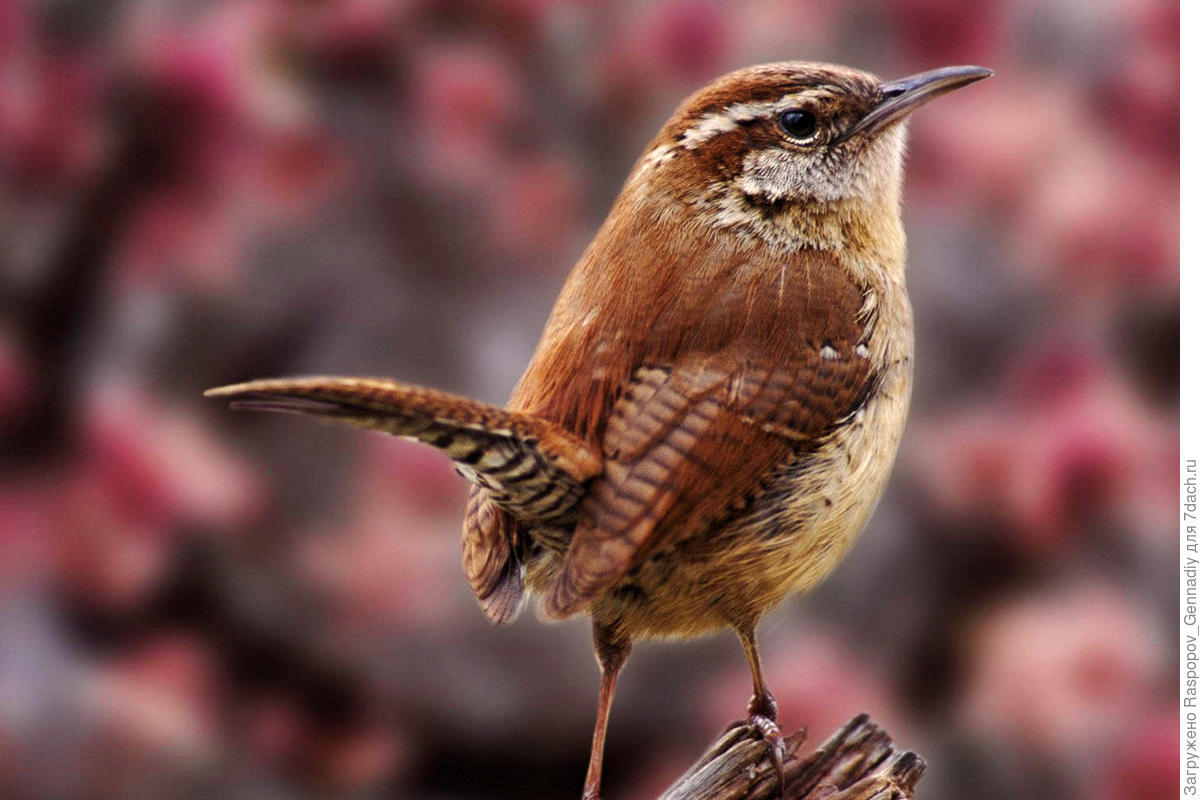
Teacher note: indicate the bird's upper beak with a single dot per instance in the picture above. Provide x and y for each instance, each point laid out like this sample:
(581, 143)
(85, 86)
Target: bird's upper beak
(901, 97)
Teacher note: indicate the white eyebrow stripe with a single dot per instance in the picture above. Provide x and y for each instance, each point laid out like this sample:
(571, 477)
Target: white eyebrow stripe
(727, 119)
(710, 125)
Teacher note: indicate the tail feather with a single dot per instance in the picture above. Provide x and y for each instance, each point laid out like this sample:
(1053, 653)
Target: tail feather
(491, 545)
(528, 466)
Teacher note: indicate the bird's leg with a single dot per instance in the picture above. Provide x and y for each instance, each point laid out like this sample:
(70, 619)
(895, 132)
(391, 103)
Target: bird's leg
(762, 710)
(611, 652)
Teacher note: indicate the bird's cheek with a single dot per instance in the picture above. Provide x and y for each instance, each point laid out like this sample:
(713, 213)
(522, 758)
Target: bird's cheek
(772, 175)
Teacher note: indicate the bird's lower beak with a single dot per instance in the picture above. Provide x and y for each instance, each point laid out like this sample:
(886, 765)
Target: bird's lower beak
(901, 97)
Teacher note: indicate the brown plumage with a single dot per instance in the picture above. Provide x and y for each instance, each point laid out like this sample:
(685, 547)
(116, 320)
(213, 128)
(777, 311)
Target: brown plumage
(716, 400)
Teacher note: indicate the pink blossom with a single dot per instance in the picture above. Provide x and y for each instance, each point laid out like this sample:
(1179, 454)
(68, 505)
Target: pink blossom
(166, 465)
(241, 130)
(535, 210)
(1059, 671)
(49, 131)
(466, 101)
(936, 32)
(1143, 764)
(1070, 446)
(159, 699)
(395, 561)
(689, 37)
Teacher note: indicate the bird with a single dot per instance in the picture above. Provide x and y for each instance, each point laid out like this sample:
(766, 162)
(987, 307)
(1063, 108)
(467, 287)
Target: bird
(716, 402)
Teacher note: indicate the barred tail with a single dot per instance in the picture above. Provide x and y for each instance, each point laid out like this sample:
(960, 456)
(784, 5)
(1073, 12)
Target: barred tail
(530, 467)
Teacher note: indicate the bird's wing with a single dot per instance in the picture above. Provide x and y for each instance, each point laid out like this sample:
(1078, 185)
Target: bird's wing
(530, 467)
(685, 446)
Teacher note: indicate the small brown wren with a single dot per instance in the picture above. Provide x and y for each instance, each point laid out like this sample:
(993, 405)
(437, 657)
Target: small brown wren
(716, 401)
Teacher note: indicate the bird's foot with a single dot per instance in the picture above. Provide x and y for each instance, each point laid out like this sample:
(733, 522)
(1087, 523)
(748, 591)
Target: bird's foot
(768, 729)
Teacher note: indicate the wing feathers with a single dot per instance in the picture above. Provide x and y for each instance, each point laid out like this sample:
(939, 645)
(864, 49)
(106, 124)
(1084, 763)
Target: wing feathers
(684, 446)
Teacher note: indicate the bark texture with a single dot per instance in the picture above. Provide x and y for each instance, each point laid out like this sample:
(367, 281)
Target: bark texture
(859, 762)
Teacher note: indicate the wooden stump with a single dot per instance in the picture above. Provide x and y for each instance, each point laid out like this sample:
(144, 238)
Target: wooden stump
(859, 762)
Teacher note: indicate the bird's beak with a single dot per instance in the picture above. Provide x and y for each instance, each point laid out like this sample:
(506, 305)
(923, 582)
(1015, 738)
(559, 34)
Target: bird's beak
(901, 97)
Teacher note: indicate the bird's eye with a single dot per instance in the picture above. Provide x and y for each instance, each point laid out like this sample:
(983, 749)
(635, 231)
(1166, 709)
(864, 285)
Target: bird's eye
(798, 124)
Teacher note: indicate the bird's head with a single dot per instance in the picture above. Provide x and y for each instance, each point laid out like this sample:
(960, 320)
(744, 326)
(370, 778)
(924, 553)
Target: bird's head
(761, 142)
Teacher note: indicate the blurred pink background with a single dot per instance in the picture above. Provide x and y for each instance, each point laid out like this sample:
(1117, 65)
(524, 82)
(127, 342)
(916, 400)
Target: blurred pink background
(194, 193)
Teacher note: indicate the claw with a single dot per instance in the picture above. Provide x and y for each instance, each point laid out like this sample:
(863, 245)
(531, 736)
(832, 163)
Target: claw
(770, 733)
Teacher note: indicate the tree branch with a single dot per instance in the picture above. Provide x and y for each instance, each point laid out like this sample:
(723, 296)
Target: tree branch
(859, 762)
